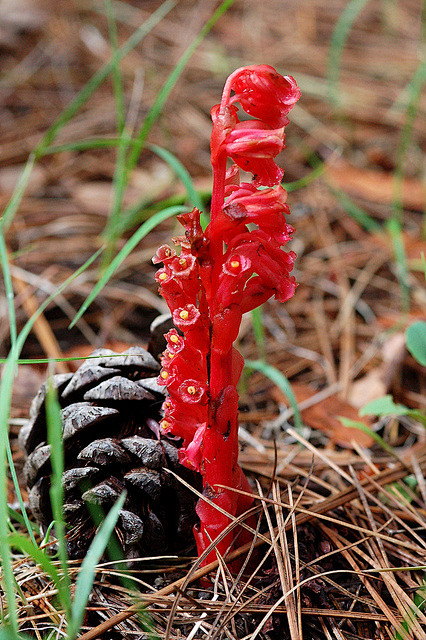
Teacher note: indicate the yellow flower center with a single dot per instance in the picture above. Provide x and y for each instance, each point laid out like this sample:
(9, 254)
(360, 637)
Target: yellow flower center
(182, 262)
(164, 375)
(184, 314)
(192, 390)
(235, 264)
(174, 338)
(162, 276)
(164, 425)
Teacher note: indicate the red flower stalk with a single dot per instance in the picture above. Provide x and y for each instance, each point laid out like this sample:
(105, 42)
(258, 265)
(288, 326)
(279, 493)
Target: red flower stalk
(218, 275)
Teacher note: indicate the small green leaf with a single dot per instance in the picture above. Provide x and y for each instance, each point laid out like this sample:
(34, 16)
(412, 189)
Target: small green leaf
(384, 406)
(415, 338)
(347, 422)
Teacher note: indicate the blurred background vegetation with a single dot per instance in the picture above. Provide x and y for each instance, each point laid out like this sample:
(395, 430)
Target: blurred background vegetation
(104, 124)
(82, 133)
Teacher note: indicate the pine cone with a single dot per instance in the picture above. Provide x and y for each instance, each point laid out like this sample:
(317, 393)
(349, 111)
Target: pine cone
(110, 412)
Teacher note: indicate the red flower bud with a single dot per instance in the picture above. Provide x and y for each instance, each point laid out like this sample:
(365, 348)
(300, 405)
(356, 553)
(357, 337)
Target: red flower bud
(252, 145)
(265, 94)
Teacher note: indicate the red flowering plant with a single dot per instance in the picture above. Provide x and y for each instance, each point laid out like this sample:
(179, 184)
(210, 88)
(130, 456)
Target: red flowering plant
(219, 274)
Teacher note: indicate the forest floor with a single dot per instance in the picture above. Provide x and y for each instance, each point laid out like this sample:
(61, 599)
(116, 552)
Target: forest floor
(348, 497)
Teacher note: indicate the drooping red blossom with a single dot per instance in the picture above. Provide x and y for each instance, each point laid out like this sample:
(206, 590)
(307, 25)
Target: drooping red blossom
(219, 274)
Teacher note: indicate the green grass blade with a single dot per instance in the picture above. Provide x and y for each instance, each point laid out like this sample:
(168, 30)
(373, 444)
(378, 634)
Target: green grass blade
(355, 424)
(17, 489)
(117, 80)
(23, 335)
(17, 517)
(119, 179)
(162, 97)
(146, 208)
(87, 572)
(394, 225)
(337, 44)
(122, 255)
(24, 544)
(18, 192)
(76, 104)
(13, 335)
(83, 145)
(306, 180)
(258, 330)
(54, 438)
(395, 231)
(414, 91)
(354, 211)
(183, 175)
(282, 383)
(10, 298)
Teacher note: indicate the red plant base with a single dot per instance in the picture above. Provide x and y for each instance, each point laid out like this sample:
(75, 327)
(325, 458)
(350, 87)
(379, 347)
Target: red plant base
(219, 274)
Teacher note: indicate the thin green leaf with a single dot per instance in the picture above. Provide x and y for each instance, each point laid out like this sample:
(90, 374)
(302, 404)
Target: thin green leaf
(87, 573)
(414, 90)
(354, 211)
(10, 299)
(24, 544)
(395, 231)
(415, 338)
(258, 330)
(17, 489)
(337, 44)
(122, 255)
(181, 172)
(55, 440)
(145, 209)
(13, 335)
(119, 178)
(83, 145)
(354, 424)
(126, 166)
(282, 383)
(117, 80)
(303, 182)
(384, 406)
(17, 517)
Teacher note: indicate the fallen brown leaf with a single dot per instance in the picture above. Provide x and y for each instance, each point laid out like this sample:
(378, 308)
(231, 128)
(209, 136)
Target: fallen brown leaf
(324, 416)
(375, 185)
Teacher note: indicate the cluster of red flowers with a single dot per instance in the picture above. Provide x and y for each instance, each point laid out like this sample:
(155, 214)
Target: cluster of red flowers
(219, 274)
